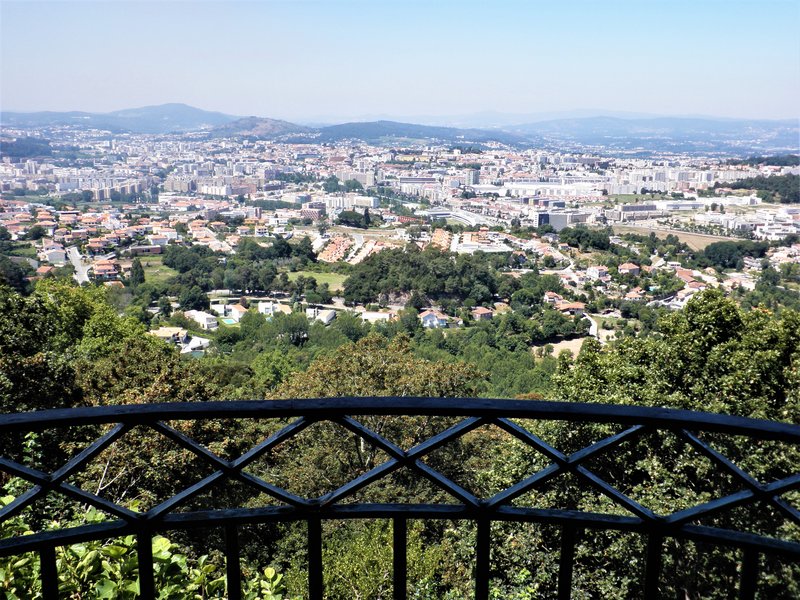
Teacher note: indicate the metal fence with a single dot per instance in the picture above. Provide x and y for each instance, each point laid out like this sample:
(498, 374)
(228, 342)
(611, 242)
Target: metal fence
(632, 423)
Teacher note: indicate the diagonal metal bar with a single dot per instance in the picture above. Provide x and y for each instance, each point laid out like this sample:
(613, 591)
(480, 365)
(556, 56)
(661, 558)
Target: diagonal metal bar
(740, 498)
(272, 490)
(79, 460)
(193, 490)
(46, 483)
(565, 463)
(363, 480)
(187, 443)
(18, 470)
(225, 468)
(749, 481)
(38, 478)
(19, 503)
(787, 509)
(365, 432)
(711, 508)
(719, 459)
(537, 479)
(400, 458)
(440, 439)
(609, 442)
(776, 488)
(531, 439)
(99, 502)
(739, 474)
(276, 438)
(614, 494)
(446, 484)
(781, 486)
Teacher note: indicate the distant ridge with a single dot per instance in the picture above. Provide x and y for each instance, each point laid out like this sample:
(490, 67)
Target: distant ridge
(163, 118)
(259, 127)
(621, 132)
(383, 131)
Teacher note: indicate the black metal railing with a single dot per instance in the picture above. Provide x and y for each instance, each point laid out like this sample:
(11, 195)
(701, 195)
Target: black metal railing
(633, 422)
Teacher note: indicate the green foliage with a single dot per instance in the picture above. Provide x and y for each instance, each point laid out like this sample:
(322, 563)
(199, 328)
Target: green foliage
(26, 147)
(12, 275)
(353, 218)
(776, 188)
(434, 274)
(34, 373)
(109, 569)
(711, 356)
(36, 232)
(584, 238)
(729, 255)
(373, 366)
(331, 185)
(64, 345)
(137, 273)
(780, 160)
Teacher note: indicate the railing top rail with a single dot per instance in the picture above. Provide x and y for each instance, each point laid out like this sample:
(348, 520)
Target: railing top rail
(332, 408)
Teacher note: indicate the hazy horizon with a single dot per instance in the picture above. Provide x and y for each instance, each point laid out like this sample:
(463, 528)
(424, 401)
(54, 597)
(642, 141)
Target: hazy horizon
(322, 62)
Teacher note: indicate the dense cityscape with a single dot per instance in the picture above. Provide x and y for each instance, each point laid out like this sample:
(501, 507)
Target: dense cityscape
(94, 202)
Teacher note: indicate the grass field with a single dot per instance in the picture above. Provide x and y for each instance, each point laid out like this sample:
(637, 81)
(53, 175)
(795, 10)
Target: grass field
(25, 249)
(335, 281)
(636, 198)
(695, 241)
(155, 271)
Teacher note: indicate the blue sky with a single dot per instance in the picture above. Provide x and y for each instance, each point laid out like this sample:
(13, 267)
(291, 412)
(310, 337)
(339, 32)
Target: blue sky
(307, 60)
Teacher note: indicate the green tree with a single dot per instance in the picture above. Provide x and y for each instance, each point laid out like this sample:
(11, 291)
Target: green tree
(331, 185)
(12, 275)
(137, 273)
(36, 232)
(193, 299)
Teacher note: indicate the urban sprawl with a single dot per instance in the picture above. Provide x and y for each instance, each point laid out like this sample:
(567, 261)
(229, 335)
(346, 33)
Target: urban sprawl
(104, 201)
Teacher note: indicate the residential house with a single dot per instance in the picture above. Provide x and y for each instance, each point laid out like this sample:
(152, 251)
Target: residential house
(552, 298)
(270, 309)
(481, 313)
(629, 269)
(324, 316)
(597, 272)
(53, 253)
(206, 320)
(433, 319)
(236, 312)
(572, 308)
(106, 270)
(172, 335)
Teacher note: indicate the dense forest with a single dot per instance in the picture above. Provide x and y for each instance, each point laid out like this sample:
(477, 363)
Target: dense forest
(784, 189)
(64, 346)
(27, 147)
(780, 160)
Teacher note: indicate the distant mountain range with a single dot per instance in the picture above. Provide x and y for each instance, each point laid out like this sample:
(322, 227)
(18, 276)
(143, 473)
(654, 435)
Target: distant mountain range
(165, 118)
(629, 133)
(259, 128)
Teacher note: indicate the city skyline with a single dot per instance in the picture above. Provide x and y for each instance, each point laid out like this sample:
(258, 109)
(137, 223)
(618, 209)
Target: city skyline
(310, 61)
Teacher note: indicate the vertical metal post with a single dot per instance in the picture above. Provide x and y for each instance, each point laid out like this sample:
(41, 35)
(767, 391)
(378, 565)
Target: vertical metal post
(652, 574)
(399, 557)
(47, 558)
(482, 559)
(565, 562)
(144, 549)
(233, 574)
(315, 558)
(749, 576)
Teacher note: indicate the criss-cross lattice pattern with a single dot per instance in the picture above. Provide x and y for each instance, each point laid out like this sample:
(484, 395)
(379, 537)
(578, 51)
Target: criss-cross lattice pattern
(633, 423)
